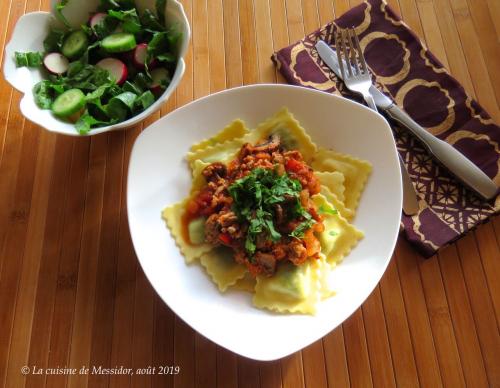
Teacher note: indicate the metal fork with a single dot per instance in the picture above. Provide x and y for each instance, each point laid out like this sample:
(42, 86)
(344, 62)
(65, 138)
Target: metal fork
(358, 79)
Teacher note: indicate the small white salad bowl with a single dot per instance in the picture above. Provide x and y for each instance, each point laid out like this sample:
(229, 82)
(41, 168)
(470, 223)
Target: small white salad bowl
(29, 34)
(159, 176)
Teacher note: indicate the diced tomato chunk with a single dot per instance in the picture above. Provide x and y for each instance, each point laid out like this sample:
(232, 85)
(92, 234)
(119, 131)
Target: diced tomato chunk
(225, 239)
(294, 165)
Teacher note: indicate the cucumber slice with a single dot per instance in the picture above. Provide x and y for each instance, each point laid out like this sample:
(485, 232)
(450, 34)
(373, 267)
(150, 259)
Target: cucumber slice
(119, 43)
(75, 44)
(68, 103)
(196, 230)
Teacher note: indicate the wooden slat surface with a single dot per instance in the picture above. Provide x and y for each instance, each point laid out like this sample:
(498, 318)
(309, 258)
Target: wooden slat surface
(71, 290)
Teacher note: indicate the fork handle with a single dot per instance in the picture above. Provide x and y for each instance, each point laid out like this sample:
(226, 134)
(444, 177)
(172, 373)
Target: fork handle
(466, 171)
(370, 101)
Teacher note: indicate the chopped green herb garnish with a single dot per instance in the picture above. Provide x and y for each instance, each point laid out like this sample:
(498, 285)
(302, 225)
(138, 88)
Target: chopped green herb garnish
(302, 228)
(327, 210)
(333, 233)
(255, 198)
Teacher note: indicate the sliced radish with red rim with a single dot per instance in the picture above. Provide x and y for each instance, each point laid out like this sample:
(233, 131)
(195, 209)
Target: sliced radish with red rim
(140, 56)
(116, 68)
(161, 79)
(97, 19)
(56, 63)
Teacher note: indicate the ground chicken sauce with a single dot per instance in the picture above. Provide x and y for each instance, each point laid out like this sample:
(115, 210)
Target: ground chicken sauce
(259, 206)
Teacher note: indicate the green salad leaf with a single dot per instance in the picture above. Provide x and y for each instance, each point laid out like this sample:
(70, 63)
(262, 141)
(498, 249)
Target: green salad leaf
(144, 101)
(129, 86)
(160, 11)
(59, 13)
(151, 22)
(28, 59)
(87, 122)
(43, 95)
(54, 40)
(129, 18)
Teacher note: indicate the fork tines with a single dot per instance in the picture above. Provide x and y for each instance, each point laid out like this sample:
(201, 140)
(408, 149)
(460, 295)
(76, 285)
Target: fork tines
(347, 46)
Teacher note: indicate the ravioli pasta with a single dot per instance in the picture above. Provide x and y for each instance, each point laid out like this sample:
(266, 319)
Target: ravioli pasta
(334, 182)
(295, 289)
(222, 268)
(293, 136)
(355, 172)
(173, 217)
(198, 179)
(292, 288)
(233, 131)
(339, 237)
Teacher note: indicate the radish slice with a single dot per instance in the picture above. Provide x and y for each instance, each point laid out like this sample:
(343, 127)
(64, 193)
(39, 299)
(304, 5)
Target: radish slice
(97, 18)
(56, 63)
(160, 77)
(116, 69)
(140, 55)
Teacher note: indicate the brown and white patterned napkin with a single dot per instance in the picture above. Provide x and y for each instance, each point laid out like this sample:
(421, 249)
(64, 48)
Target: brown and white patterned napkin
(406, 70)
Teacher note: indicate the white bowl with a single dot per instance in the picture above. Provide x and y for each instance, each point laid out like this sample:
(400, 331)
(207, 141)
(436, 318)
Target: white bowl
(29, 33)
(159, 176)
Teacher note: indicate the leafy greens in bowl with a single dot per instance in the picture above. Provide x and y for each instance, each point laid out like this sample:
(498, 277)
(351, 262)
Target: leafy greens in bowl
(93, 66)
